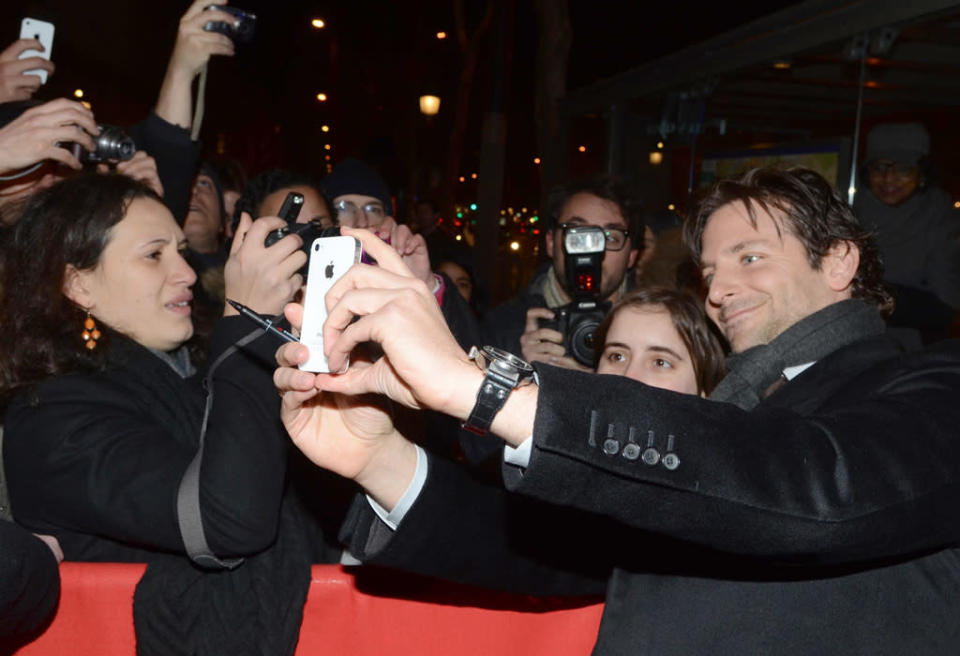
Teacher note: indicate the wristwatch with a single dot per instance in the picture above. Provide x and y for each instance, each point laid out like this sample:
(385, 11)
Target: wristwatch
(503, 372)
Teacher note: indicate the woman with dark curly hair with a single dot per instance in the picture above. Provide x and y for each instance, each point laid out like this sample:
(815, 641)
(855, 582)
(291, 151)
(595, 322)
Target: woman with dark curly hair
(106, 414)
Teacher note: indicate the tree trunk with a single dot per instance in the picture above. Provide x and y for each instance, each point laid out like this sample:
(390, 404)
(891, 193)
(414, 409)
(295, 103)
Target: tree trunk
(469, 49)
(553, 51)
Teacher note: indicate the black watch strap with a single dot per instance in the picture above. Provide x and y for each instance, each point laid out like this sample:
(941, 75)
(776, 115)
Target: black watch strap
(502, 373)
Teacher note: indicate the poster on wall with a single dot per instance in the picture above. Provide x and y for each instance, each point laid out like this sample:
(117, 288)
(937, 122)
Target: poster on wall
(831, 159)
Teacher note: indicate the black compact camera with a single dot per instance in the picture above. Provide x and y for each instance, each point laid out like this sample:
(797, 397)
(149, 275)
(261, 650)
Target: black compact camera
(241, 30)
(112, 145)
(309, 231)
(579, 321)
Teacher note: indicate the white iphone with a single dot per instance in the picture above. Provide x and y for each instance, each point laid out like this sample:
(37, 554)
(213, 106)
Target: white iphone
(330, 257)
(42, 31)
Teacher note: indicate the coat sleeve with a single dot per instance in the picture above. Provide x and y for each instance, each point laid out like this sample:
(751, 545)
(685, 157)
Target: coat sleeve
(177, 159)
(463, 530)
(89, 455)
(458, 315)
(943, 265)
(872, 472)
(29, 584)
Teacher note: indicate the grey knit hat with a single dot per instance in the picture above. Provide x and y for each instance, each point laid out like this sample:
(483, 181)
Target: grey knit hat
(905, 143)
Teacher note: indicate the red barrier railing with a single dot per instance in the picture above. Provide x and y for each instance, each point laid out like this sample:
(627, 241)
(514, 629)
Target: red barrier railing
(346, 613)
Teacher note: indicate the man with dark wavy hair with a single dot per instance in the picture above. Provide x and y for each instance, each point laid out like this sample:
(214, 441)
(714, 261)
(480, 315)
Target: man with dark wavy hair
(802, 203)
(808, 507)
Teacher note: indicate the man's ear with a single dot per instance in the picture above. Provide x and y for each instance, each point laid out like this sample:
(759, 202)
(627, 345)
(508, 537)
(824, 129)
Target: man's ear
(75, 287)
(840, 265)
(632, 260)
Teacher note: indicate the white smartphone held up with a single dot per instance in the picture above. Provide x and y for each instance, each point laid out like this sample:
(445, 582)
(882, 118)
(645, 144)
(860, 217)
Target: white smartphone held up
(330, 257)
(42, 31)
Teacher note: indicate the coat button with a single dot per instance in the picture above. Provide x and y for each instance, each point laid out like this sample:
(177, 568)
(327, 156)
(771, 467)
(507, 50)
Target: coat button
(671, 461)
(651, 456)
(610, 447)
(631, 451)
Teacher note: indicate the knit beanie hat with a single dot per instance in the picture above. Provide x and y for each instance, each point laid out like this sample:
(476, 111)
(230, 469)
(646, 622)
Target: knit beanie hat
(905, 143)
(351, 176)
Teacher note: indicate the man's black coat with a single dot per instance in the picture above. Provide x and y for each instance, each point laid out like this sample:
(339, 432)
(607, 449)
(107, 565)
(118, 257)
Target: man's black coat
(825, 521)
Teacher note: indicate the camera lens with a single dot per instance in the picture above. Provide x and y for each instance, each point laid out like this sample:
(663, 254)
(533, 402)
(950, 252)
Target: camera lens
(113, 145)
(244, 29)
(581, 341)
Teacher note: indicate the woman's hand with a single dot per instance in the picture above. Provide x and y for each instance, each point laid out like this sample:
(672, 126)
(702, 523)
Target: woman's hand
(35, 135)
(264, 279)
(194, 45)
(411, 248)
(140, 167)
(14, 85)
(191, 52)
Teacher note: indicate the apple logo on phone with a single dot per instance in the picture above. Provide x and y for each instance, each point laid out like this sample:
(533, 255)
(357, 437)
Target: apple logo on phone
(328, 271)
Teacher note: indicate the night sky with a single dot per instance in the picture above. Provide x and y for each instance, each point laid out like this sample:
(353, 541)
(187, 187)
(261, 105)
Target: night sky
(373, 60)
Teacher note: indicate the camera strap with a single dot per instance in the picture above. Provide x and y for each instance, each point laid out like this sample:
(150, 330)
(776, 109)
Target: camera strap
(198, 108)
(20, 174)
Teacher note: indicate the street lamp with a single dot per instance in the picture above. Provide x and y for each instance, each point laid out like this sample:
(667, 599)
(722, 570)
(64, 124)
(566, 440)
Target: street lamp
(429, 105)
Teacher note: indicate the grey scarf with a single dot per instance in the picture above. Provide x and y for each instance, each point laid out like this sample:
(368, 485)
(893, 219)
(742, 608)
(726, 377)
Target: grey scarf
(178, 359)
(751, 372)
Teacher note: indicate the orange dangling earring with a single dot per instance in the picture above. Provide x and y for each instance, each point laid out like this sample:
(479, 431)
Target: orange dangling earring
(90, 333)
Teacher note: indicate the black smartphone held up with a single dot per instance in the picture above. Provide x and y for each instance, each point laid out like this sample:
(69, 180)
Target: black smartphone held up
(241, 30)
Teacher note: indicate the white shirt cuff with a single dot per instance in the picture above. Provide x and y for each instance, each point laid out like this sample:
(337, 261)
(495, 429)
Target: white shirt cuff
(519, 456)
(395, 516)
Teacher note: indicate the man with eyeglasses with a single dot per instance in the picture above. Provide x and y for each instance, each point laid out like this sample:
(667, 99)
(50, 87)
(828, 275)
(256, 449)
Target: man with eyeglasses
(361, 199)
(603, 202)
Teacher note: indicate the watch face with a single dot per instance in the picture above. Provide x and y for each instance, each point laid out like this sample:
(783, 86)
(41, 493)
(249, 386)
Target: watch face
(494, 353)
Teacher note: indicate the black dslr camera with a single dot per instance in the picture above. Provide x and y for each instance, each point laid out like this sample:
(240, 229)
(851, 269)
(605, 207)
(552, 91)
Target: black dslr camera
(112, 145)
(240, 31)
(309, 231)
(583, 248)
